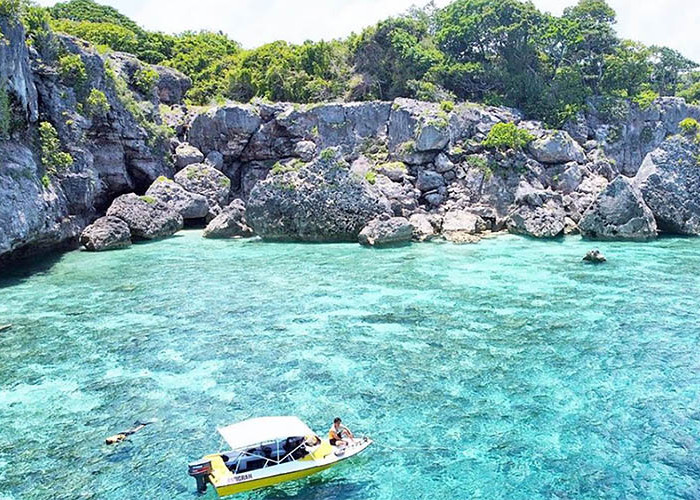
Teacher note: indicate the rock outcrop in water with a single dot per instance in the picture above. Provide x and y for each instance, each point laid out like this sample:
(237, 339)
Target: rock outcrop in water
(385, 231)
(323, 172)
(619, 212)
(319, 201)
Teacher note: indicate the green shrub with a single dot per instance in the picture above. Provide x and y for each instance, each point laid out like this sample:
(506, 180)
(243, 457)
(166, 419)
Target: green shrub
(145, 79)
(447, 106)
(645, 98)
(327, 154)
(10, 8)
(371, 176)
(503, 136)
(72, 70)
(689, 126)
(96, 103)
(36, 22)
(45, 180)
(52, 157)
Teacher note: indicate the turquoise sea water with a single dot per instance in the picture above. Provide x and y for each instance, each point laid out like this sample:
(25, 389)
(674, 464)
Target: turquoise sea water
(506, 369)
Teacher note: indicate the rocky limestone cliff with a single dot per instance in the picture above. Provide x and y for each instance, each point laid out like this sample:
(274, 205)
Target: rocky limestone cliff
(321, 172)
(116, 148)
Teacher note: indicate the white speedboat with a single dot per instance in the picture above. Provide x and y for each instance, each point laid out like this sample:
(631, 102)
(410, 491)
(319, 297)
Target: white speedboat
(267, 451)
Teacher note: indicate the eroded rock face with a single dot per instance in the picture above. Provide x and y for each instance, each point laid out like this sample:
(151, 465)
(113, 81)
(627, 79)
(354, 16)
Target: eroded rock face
(669, 181)
(539, 214)
(557, 147)
(386, 231)
(322, 201)
(146, 218)
(423, 228)
(618, 213)
(207, 181)
(460, 226)
(226, 129)
(32, 216)
(186, 154)
(106, 233)
(230, 223)
(14, 66)
(171, 194)
(172, 85)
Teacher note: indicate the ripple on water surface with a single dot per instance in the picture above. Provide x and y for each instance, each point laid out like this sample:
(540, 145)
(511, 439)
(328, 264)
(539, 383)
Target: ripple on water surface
(506, 369)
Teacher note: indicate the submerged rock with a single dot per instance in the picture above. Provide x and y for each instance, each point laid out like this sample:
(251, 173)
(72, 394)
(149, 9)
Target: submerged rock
(175, 197)
(230, 223)
(386, 231)
(145, 216)
(106, 233)
(594, 256)
(619, 212)
(321, 201)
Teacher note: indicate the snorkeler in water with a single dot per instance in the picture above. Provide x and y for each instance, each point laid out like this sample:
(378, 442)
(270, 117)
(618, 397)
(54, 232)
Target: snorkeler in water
(118, 438)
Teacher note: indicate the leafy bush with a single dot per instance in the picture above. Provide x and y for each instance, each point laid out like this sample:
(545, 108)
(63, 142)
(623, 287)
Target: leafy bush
(505, 136)
(645, 98)
(144, 79)
(10, 8)
(447, 106)
(689, 126)
(52, 157)
(112, 35)
(96, 103)
(327, 154)
(72, 70)
(36, 22)
(371, 176)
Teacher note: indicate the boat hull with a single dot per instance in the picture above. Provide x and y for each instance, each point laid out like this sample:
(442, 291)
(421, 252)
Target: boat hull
(254, 484)
(226, 483)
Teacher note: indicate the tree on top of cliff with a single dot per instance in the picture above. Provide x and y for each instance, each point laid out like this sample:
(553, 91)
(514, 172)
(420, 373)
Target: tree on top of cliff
(493, 51)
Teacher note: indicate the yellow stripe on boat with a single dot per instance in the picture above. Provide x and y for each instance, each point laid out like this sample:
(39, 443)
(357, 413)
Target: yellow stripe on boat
(231, 489)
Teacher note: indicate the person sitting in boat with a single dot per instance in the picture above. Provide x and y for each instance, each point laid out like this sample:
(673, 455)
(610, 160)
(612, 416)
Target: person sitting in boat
(338, 433)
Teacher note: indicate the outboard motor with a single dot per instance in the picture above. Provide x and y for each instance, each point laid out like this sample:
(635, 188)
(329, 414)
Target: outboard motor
(200, 471)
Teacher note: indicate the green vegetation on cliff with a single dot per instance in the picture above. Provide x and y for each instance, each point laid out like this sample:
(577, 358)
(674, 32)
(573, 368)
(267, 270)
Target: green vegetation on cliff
(494, 51)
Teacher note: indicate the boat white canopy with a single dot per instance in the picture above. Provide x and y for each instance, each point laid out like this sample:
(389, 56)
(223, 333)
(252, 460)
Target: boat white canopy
(259, 430)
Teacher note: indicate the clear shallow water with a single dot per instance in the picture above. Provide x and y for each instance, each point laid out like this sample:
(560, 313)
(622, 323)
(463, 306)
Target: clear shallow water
(541, 377)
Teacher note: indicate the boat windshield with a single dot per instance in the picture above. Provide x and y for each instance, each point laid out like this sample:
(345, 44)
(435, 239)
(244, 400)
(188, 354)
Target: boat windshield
(269, 453)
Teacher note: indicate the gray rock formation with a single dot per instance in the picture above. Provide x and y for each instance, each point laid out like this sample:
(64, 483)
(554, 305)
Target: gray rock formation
(106, 233)
(146, 218)
(385, 231)
(423, 228)
(204, 180)
(669, 180)
(557, 147)
(186, 154)
(176, 198)
(322, 201)
(230, 223)
(539, 214)
(14, 66)
(171, 85)
(33, 217)
(619, 212)
(460, 226)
